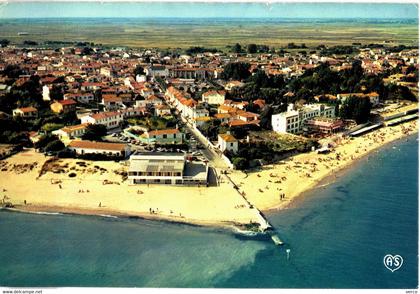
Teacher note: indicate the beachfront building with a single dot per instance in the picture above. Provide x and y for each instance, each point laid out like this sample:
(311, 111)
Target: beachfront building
(214, 97)
(325, 125)
(166, 168)
(227, 142)
(25, 112)
(110, 119)
(167, 136)
(292, 120)
(82, 147)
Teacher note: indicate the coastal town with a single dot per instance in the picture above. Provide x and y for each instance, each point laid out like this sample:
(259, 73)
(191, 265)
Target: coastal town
(203, 136)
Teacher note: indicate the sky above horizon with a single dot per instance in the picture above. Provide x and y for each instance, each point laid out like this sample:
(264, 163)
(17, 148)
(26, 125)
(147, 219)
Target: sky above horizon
(201, 10)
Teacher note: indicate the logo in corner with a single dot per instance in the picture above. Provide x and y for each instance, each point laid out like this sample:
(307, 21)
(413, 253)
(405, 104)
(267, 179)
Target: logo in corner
(393, 263)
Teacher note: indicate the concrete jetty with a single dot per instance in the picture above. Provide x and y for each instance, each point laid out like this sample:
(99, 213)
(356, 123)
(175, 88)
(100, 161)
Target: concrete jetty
(264, 225)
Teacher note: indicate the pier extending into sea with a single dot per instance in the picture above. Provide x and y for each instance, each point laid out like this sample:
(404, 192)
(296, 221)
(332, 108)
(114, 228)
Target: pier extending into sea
(264, 225)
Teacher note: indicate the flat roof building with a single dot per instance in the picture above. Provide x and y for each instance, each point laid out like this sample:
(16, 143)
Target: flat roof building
(166, 168)
(292, 121)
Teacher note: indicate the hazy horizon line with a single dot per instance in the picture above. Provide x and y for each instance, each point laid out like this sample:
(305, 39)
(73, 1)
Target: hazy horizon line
(211, 17)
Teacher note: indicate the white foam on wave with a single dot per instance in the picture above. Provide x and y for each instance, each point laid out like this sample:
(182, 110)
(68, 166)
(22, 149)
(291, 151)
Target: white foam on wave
(33, 212)
(108, 215)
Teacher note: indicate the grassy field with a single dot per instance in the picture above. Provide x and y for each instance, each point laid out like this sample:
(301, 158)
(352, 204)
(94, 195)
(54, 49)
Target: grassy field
(216, 34)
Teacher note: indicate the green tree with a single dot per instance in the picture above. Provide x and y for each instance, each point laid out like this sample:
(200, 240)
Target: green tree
(56, 145)
(240, 163)
(139, 70)
(49, 127)
(94, 132)
(265, 117)
(13, 71)
(356, 108)
(236, 71)
(237, 48)
(252, 48)
(45, 140)
(4, 43)
(56, 92)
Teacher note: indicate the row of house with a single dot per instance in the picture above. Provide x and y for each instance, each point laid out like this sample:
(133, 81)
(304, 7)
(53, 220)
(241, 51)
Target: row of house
(187, 107)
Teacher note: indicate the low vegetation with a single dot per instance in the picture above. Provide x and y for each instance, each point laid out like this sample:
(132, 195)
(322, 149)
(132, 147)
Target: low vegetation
(268, 147)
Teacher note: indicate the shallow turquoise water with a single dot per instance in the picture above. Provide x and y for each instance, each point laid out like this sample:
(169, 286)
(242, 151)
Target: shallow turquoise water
(338, 236)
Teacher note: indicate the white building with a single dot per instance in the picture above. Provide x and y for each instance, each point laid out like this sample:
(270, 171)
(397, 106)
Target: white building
(25, 112)
(46, 93)
(293, 120)
(162, 110)
(214, 97)
(168, 136)
(80, 97)
(157, 71)
(110, 119)
(112, 102)
(227, 142)
(91, 147)
(166, 168)
(141, 78)
(70, 132)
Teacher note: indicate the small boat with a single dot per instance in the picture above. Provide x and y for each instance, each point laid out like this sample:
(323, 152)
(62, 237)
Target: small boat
(276, 240)
(23, 33)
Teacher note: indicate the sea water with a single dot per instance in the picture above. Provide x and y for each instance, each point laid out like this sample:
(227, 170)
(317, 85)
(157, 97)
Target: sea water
(338, 236)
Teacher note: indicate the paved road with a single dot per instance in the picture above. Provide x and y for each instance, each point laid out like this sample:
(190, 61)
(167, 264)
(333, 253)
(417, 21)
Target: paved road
(214, 158)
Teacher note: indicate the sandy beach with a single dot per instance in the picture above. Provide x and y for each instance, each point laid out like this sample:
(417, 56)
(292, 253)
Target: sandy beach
(34, 182)
(98, 188)
(297, 174)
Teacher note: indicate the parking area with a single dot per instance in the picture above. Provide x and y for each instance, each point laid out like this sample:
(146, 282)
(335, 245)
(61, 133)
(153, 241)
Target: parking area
(193, 153)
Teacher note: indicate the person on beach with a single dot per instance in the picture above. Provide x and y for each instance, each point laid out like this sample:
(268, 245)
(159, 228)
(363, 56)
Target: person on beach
(24, 202)
(100, 204)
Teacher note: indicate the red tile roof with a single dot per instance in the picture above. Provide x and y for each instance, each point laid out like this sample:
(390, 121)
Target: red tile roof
(67, 102)
(238, 122)
(28, 109)
(163, 132)
(227, 137)
(97, 145)
(102, 115)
